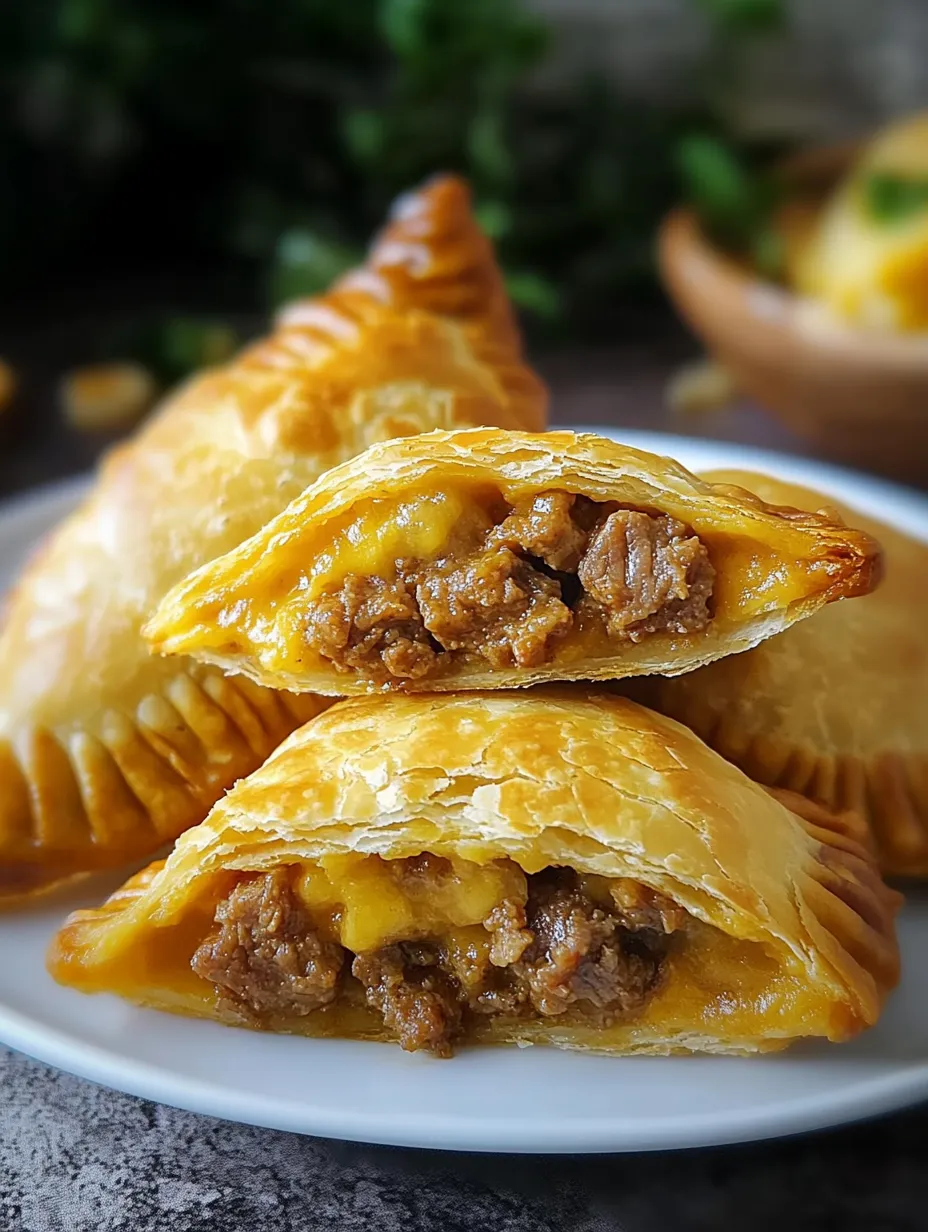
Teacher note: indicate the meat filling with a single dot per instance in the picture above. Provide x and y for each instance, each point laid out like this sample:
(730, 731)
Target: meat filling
(647, 574)
(580, 953)
(265, 955)
(562, 950)
(495, 605)
(417, 998)
(512, 597)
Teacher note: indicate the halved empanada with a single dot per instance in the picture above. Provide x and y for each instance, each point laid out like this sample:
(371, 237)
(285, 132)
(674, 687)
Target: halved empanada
(487, 558)
(538, 866)
(105, 752)
(836, 708)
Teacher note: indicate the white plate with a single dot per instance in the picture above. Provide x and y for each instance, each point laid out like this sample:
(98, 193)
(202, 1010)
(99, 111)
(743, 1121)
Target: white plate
(495, 1100)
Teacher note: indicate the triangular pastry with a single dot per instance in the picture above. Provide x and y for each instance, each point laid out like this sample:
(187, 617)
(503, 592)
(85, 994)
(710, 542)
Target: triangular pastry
(105, 752)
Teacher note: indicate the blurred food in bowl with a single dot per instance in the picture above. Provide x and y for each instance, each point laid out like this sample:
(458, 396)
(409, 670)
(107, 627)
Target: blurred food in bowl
(865, 255)
(812, 292)
(699, 387)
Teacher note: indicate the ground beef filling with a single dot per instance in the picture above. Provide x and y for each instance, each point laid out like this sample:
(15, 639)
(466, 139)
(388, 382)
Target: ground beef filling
(562, 950)
(513, 596)
(265, 955)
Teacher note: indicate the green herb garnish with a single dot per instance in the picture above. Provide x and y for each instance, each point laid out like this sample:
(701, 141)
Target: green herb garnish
(891, 198)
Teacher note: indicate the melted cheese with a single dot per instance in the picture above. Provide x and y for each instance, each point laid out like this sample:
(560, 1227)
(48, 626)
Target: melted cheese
(711, 983)
(755, 573)
(420, 527)
(368, 902)
(751, 577)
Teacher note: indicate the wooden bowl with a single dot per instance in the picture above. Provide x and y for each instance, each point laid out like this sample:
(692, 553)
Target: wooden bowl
(860, 398)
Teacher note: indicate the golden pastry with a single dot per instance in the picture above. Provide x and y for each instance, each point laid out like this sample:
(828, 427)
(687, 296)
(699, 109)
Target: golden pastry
(105, 753)
(539, 867)
(486, 558)
(837, 707)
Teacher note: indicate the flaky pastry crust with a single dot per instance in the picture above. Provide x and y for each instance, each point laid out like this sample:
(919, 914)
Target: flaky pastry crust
(247, 611)
(543, 777)
(838, 707)
(105, 752)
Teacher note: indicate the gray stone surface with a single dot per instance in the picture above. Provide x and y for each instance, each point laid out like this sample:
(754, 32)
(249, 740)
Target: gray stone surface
(77, 1158)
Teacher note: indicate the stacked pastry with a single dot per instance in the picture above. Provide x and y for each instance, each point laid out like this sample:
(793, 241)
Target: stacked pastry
(838, 709)
(107, 752)
(483, 840)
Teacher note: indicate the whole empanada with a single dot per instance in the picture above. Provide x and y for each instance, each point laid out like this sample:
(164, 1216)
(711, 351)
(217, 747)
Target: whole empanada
(106, 752)
(486, 558)
(532, 867)
(836, 708)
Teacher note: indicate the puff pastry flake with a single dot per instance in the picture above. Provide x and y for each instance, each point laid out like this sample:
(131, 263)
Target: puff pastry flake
(837, 707)
(540, 866)
(105, 752)
(490, 558)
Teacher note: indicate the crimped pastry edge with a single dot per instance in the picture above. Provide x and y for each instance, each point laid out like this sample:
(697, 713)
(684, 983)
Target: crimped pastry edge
(95, 797)
(842, 928)
(53, 827)
(889, 790)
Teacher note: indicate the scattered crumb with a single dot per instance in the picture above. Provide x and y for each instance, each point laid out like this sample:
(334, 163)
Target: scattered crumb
(107, 397)
(700, 387)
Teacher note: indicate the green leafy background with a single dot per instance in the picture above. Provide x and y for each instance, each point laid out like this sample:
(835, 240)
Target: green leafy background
(272, 134)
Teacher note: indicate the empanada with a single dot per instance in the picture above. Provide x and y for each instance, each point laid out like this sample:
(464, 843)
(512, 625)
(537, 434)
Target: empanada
(538, 867)
(486, 559)
(105, 752)
(837, 708)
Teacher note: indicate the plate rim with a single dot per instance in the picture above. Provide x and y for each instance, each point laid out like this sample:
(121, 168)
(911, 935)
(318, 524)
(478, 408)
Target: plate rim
(868, 1098)
(589, 1136)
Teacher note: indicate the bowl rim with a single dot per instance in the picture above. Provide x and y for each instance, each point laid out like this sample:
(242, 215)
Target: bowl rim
(682, 240)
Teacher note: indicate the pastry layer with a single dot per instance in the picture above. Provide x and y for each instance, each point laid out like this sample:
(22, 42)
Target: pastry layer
(837, 708)
(106, 752)
(488, 558)
(543, 866)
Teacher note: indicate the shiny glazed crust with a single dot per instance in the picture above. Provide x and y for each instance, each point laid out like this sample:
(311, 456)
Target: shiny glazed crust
(106, 752)
(202, 616)
(838, 707)
(549, 776)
